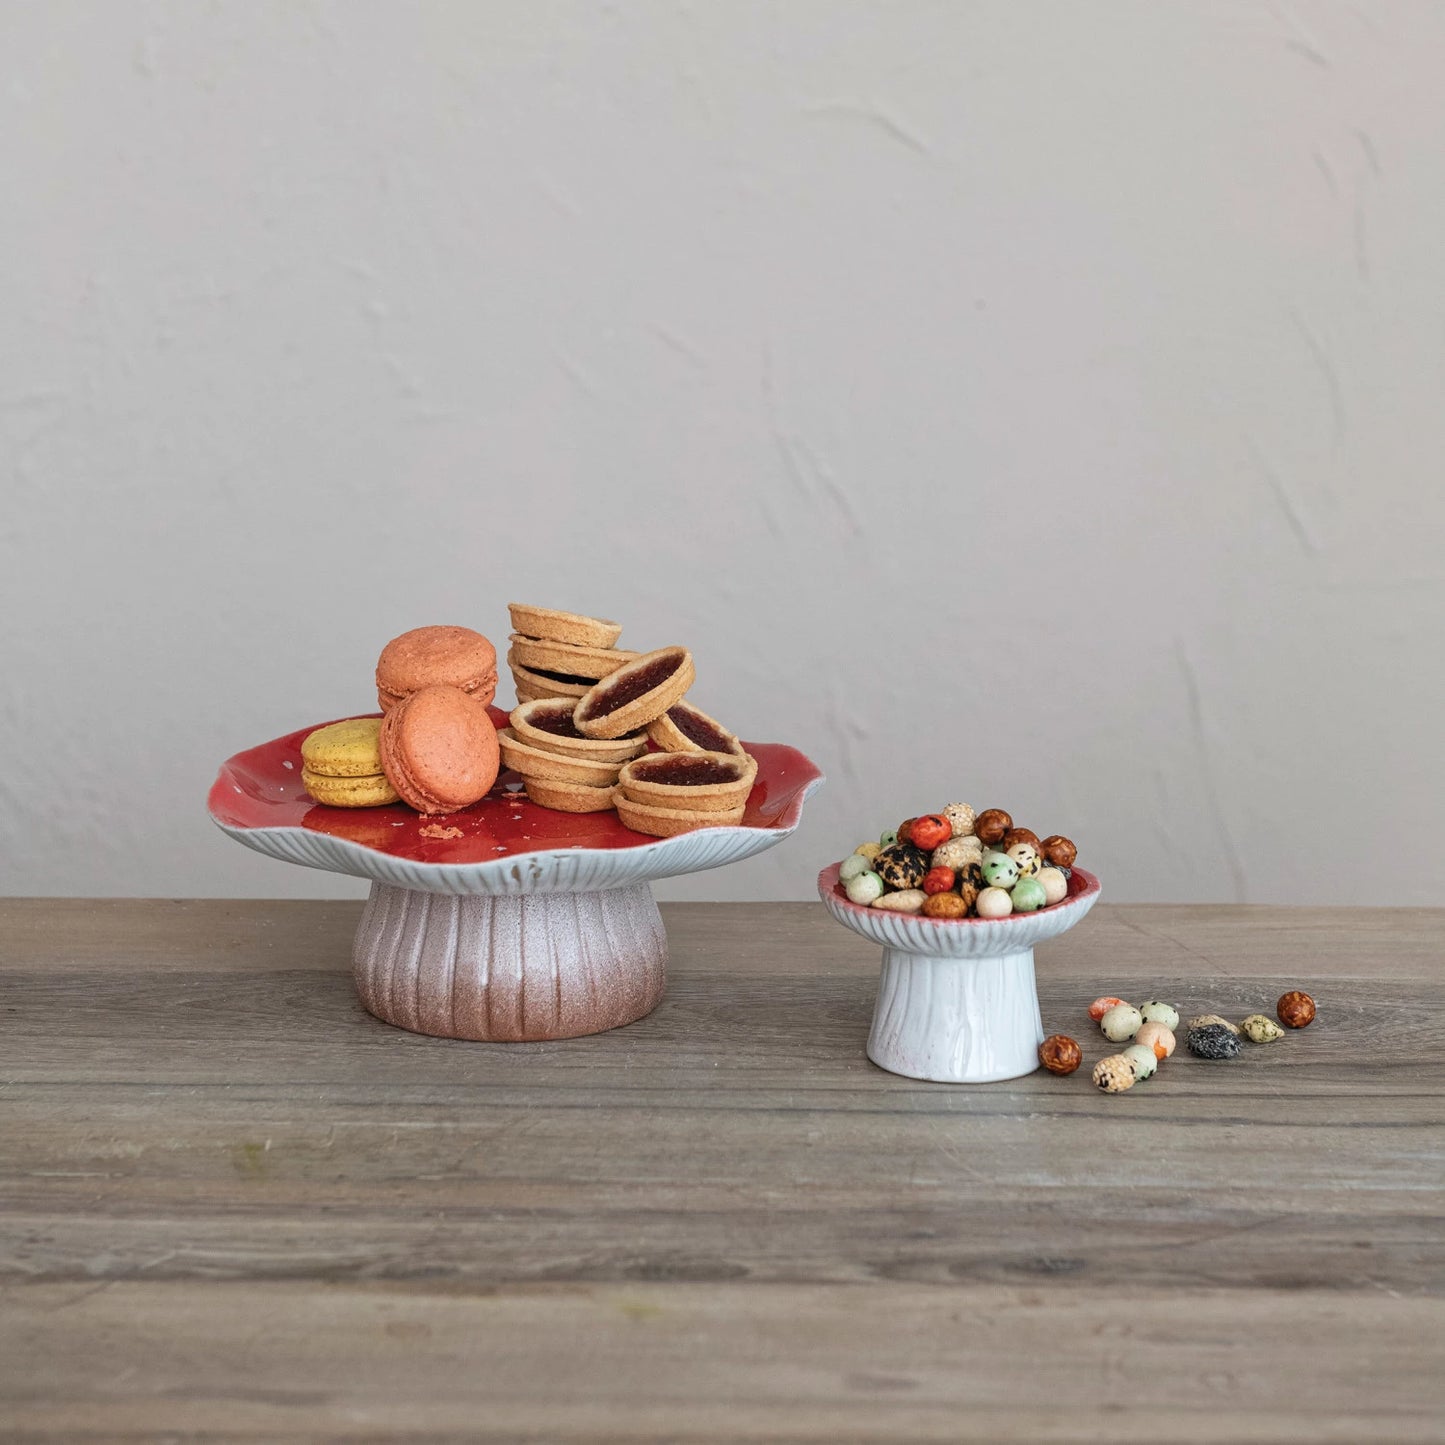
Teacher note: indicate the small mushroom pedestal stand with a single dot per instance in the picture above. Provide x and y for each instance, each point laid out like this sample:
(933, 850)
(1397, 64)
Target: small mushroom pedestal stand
(957, 1002)
(505, 921)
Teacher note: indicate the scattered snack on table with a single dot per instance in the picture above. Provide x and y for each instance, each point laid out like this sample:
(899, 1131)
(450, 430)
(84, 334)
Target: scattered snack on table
(1200, 1021)
(1296, 1010)
(635, 694)
(1143, 1060)
(439, 749)
(1156, 1012)
(1260, 1029)
(341, 765)
(685, 728)
(428, 656)
(1114, 1075)
(1214, 1041)
(1059, 1054)
(1121, 1022)
(549, 625)
(1101, 1006)
(1157, 1036)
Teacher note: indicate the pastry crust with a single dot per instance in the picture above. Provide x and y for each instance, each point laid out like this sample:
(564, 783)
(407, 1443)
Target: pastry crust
(536, 763)
(667, 731)
(568, 797)
(537, 654)
(598, 750)
(668, 822)
(538, 684)
(723, 784)
(596, 719)
(570, 627)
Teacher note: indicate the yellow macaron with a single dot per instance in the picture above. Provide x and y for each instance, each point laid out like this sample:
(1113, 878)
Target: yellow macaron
(341, 765)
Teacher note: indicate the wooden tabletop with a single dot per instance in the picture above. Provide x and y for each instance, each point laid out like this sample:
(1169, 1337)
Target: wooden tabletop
(233, 1204)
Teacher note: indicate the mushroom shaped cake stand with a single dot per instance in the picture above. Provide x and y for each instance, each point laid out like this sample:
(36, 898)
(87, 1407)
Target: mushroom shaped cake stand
(506, 920)
(956, 998)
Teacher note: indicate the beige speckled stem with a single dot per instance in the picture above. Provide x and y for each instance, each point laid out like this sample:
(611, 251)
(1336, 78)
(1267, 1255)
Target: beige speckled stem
(540, 966)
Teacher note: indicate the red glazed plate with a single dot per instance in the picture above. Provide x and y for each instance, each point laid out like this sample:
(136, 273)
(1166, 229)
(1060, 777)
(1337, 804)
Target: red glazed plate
(507, 844)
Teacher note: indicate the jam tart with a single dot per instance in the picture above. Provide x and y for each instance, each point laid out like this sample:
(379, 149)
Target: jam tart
(547, 724)
(684, 728)
(636, 694)
(698, 782)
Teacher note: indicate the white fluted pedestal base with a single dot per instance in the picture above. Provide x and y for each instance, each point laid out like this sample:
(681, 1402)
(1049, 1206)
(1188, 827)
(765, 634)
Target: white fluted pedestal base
(539, 966)
(957, 1020)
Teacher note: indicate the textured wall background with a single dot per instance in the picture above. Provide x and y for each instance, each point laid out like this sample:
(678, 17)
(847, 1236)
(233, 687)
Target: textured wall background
(1038, 404)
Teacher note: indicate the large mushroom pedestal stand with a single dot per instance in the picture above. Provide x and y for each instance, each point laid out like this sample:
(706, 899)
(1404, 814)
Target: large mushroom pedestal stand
(505, 921)
(956, 998)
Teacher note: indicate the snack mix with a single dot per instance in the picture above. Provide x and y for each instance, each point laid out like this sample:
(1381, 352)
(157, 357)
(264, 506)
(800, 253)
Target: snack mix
(1147, 1033)
(956, 864)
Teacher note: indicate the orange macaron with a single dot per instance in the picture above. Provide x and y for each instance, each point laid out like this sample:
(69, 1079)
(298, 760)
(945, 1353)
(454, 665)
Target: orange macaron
(428, 656)
(439, 750)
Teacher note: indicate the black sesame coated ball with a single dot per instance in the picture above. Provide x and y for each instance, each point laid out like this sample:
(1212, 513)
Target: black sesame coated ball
(972, 873)
(901, 866)
(1214, 1041)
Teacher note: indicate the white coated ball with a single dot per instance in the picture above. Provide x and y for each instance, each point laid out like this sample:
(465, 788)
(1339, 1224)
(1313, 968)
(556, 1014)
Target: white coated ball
(993, 903)
(1120, 1023)
(1056, 886)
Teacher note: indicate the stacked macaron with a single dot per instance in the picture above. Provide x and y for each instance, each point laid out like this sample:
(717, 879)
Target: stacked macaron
(434, 748)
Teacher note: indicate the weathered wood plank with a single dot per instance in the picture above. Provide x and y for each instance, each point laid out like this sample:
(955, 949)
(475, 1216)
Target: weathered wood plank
(232, 1203)
(701, 1362)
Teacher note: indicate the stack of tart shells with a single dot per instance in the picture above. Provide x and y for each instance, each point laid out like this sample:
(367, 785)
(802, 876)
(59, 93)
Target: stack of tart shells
(560, 767)
(560, 654)
(587, 712)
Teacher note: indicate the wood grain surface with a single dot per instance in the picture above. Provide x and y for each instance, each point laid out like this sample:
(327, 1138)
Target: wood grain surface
(233, 1205)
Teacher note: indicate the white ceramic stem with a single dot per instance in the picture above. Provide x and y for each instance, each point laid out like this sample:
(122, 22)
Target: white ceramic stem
(534, 966)
(957, 1020)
